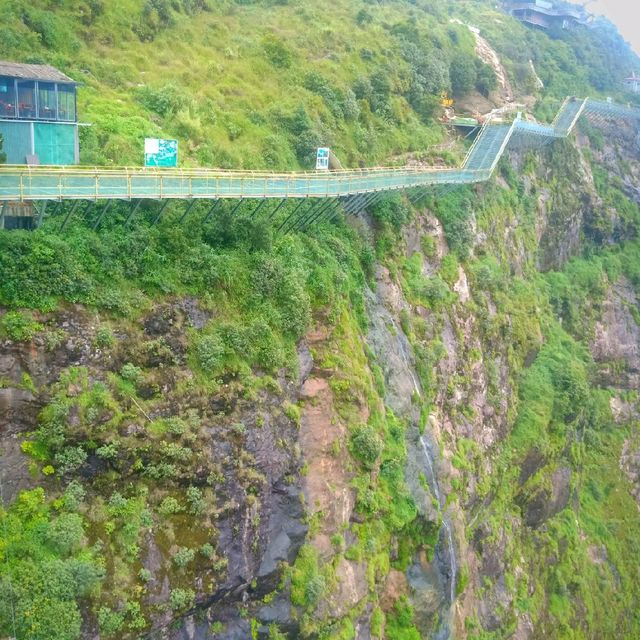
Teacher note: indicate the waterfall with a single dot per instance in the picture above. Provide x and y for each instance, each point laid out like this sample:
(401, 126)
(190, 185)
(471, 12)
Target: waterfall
(405, 356)
(432, 481)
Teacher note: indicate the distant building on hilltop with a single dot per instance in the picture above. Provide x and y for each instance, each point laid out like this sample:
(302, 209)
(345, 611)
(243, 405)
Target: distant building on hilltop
(546, 14)
(38, 115)
(632, 83)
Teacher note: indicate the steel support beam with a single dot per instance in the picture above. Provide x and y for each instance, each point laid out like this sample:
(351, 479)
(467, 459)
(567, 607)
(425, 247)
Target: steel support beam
(101, 215)
(257, 209)
(163, 206)
(303, 215)
(71, 211)
(295, 209)
(132, 211)
(312, 217)
(2, 210)
(335, 211)
(330, 213)
(41, 211)
(214, 206)
(280, 204)
(187, 210)
(236, 207)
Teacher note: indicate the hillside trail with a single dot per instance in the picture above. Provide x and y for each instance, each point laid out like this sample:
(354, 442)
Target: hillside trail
(488, 55)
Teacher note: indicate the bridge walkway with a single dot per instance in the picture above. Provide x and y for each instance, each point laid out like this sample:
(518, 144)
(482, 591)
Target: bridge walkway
(71, 183)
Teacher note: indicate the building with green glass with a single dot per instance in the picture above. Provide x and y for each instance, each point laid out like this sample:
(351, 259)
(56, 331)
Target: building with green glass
(38, 115)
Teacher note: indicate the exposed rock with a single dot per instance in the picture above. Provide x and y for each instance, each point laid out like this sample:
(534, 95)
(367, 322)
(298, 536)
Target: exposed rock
(549, 500)
(617, 338)
(326, 484)
(630, 464)
(350, 588)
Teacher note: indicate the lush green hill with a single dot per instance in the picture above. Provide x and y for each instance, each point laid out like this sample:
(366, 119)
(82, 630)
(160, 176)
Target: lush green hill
(218, 430)
(261, 84)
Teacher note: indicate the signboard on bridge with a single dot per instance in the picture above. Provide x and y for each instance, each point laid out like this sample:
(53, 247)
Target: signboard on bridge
(160, 153)
(322, 159)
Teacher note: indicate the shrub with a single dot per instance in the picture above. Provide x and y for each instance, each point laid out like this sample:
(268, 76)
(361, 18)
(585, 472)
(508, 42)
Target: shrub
(19, 327)
(181, 599)
(70, 459)
(196, 501)
(169, 506)
(278, 53)
(131, 373)
(307, 582)
(183, 557)
(463, 74)
(65, 533)
(104, 337)
(366, 446)
(110, 622)
(165, 101)
(209, 353)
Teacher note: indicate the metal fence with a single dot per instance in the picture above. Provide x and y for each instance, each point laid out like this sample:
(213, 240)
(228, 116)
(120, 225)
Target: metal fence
(23, 183)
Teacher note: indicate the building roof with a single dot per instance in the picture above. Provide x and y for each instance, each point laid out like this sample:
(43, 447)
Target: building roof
(33, 72)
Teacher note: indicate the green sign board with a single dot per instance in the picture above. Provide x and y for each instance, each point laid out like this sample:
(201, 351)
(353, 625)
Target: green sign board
(160, 153)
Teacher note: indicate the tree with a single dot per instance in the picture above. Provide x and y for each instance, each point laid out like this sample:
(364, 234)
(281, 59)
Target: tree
(486, 79)
(463, 74)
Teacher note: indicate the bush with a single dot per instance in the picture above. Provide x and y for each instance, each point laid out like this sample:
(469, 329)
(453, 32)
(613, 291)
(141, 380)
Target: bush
(110, 622)
(19, 327)
(183, 557)
(209, 353)
(366, 445)
(132, 374)
(278, 53)
(169, 506)
(65, 534)
(463, 73)
(181, 599)
(166, 101)
(70, 459)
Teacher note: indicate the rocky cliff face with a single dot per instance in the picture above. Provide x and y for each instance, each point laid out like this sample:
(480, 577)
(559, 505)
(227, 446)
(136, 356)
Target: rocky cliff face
(433, 466)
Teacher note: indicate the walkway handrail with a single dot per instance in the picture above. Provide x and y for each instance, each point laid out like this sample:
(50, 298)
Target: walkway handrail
(28, 183)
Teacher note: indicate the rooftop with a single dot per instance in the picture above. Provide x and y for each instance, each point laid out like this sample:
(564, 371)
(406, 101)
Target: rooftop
(33, 72)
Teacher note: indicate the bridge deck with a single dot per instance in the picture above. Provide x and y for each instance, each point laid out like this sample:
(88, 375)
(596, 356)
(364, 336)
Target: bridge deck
(21, 183)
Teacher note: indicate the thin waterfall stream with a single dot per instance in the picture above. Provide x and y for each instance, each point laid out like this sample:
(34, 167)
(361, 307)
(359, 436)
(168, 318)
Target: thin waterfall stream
(432, 580)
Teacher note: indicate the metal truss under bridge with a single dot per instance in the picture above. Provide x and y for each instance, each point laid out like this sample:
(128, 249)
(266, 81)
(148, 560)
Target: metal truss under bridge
(353, 189)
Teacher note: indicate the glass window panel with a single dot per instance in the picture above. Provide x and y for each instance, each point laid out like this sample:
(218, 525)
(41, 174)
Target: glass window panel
(46, 101)
(66, 102)
(26, 99)
(7, 98)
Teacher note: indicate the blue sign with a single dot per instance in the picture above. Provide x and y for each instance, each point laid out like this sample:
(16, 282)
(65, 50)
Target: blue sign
(160, 153)
(322, 159)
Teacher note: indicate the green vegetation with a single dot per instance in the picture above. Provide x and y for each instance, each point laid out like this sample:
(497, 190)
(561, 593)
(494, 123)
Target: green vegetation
(187, 335)
(46, 567)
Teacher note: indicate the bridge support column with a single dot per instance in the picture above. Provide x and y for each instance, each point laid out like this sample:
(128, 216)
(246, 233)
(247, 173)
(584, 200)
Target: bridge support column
(132, 211)
(257, 209)
(303, 215)
(214, 206)
(102, 214)
(311, 217)
(280, 204)
(295, 209)
(163, 206)
(71, 211)
(187, 210)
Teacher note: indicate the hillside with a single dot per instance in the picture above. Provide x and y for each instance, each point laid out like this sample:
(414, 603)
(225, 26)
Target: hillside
(418, 422)
(261, 84)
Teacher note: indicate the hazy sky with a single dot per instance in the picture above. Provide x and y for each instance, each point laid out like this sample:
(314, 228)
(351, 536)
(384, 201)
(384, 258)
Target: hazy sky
(625, 14)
